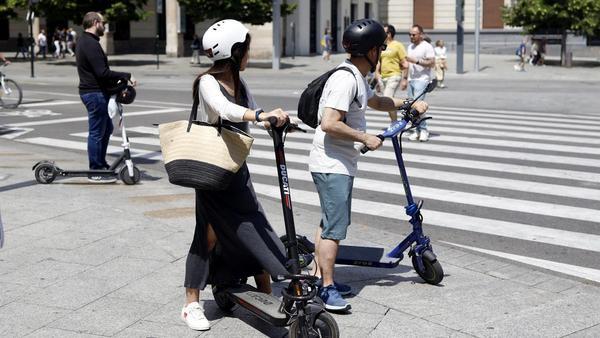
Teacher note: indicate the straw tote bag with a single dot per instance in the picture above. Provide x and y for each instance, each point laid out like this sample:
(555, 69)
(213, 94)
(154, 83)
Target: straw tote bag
(200, 155)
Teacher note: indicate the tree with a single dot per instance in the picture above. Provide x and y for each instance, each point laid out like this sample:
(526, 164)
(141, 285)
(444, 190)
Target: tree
(75, 9)
(256, 12)
(555, 16)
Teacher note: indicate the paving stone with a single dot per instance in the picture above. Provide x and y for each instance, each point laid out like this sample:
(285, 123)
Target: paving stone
(465, 260)
(560, 317)
(590, 332)
(556, 284)
(10, 292)
(159, 287)
(48, 332)
(362, 305)
(145, 329)
(75, 292)
(18, 319)
(123, 269)
(487, 265)
(106, 316)
(398, 324)
(533, 278)
(43, 273)
(69, 240)
(509, 272)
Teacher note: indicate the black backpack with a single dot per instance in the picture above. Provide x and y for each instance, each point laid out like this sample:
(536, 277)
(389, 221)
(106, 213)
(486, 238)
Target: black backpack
(308, 106)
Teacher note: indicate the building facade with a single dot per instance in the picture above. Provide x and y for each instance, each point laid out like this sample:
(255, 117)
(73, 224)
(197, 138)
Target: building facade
(171, 30)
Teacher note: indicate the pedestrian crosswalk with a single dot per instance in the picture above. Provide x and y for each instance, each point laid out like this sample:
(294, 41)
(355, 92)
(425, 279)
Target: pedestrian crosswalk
(521, 178)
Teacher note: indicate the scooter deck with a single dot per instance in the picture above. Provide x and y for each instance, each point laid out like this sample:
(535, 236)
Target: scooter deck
(365, 256)
(264, 306)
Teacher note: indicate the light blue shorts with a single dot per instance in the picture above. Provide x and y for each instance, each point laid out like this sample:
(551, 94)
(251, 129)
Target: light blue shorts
(335, 195)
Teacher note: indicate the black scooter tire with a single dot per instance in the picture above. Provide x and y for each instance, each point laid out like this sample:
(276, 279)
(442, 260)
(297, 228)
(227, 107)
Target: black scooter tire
(433, 272)
(324, 325)
(45, 173)
(223, 301)
(124, 175)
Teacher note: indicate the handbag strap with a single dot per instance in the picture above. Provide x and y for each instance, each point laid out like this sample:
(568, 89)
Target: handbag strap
(194, 115)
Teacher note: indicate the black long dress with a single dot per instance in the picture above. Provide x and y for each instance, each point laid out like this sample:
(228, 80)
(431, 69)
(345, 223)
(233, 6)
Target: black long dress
(246, 242)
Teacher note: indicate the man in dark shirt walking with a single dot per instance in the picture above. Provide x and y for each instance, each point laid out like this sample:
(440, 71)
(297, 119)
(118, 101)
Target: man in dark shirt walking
(95, 80)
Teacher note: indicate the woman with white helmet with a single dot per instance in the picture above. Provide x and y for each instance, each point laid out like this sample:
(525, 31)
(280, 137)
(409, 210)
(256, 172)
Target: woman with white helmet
(232, 238)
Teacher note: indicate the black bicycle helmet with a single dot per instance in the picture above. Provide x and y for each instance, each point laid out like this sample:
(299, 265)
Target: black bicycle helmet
(362, 35)
(126, 96)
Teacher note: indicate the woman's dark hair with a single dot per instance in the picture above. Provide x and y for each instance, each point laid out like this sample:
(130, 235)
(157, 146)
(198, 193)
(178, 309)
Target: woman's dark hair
(232, 64)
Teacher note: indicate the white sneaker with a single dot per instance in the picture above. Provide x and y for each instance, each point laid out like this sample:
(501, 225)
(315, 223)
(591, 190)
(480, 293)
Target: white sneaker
(424, 136)
(193, 315)
(414, 136)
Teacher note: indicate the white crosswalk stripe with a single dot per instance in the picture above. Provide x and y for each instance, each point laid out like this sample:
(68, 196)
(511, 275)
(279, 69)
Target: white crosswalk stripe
(536, 173)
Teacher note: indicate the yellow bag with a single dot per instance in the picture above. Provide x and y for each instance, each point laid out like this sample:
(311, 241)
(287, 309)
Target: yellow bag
(323, 42)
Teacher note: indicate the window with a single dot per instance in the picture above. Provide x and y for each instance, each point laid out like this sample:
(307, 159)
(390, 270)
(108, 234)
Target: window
(367, 10)
(423, 13)
(353, 8)
(492, 14)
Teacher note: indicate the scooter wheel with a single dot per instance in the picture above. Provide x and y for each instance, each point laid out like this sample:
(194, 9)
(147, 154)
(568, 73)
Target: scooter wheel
(129, 180)
(45, 173)
(432, 272)
(324, 326)
(222, 300)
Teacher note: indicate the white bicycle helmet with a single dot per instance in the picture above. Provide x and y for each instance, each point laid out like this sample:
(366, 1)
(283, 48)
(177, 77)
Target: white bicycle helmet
(220, 38)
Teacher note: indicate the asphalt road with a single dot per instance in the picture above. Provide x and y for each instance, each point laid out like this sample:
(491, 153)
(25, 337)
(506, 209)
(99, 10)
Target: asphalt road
(511, 169)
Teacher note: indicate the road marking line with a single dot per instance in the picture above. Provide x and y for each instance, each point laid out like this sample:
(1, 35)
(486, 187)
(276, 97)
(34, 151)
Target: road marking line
(45, 104)
(519, 231)
(459, 197)
(509, 117)
(16, 132)
(474, 141)
(426, 159)
(85, 118)
(515, 130)
(76, 145)
(492, 121)
(516, 112)
(567, 269)
(446, 176)
(452, 150)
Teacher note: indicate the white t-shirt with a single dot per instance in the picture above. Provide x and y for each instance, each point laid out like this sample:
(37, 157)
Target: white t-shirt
(42, 40)
(440, 52)
(423, 50)
(335, 155)
(214, 104)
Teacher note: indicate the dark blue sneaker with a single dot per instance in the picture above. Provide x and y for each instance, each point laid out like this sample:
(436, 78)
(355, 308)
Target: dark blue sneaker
(343, 289)
(332, 299)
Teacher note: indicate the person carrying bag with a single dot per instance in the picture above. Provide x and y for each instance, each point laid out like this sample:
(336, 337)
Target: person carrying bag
(233, 238)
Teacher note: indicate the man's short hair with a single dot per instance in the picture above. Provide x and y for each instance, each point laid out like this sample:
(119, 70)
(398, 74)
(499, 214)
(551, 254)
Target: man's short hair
(390, 29)
(419, 28)
(89, 18)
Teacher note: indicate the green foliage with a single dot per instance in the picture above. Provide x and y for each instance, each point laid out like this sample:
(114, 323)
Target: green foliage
(75, 9)
(578, 16)
(255, 12)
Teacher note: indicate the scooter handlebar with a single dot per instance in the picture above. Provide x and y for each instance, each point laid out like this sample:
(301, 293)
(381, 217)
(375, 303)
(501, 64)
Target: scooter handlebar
(366, 149)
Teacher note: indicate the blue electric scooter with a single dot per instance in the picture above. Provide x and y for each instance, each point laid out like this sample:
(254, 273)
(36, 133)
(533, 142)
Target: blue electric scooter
(420, 250)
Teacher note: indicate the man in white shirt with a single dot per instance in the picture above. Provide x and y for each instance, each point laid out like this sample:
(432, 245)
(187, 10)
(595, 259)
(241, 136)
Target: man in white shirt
(421, 60)
(336, 147)
(42, 42)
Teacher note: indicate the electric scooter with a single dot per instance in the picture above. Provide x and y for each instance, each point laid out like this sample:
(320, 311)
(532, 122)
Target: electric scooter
(46, 171)
(299, 307)
(421, 252)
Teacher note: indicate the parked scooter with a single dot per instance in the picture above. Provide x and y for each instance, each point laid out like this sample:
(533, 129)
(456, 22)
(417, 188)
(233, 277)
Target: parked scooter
(299, 308)
(420, 250)
(46, 171)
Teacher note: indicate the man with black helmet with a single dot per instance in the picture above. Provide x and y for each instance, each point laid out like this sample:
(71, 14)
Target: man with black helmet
(95, 82)
(335, 151)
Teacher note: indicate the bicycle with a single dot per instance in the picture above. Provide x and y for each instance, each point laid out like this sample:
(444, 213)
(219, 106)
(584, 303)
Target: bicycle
(10, 92)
